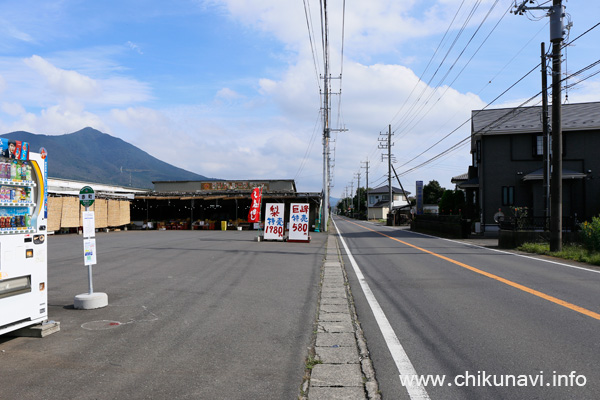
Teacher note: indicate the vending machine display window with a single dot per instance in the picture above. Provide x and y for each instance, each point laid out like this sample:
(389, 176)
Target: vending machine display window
(23, 244)
(17, 196)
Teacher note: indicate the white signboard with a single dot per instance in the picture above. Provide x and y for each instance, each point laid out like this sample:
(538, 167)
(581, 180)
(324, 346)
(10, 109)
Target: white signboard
(299, 221)
(89, 224)
(274, 225)
(89, 251)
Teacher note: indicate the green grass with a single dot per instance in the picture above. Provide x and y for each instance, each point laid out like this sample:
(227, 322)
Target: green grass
(312, 361)
(569, 252)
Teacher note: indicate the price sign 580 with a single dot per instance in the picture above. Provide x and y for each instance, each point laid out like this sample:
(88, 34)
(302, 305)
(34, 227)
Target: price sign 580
(299, 220)
(299, 227)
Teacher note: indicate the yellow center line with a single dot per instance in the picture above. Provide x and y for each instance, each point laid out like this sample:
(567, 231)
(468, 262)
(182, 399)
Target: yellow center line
(534, 292)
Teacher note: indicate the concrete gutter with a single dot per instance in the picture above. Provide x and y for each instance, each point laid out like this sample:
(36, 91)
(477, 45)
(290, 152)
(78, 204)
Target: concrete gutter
(342, 368)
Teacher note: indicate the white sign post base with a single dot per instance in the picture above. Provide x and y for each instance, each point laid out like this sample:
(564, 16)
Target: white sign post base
(90, 301)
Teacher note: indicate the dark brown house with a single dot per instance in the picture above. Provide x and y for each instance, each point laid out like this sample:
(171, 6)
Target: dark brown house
(507, 164)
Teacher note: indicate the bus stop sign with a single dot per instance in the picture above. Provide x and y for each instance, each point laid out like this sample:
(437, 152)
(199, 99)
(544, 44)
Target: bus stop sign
(86, 196)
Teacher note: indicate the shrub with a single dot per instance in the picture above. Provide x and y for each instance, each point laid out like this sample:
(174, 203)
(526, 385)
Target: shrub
(521, 217)
(590, 234)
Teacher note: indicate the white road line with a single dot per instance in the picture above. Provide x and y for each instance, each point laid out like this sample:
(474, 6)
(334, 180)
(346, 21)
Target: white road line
(510, 253)
(403, 363)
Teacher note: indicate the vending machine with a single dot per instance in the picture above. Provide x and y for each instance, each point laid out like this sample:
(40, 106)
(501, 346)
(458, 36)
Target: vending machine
(23, 248)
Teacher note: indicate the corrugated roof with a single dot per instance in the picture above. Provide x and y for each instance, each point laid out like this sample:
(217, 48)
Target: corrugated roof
(579, 116)
(460, 178)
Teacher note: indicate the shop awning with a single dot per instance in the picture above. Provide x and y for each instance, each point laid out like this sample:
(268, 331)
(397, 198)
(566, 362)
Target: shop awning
(469, 183)
(538, 175)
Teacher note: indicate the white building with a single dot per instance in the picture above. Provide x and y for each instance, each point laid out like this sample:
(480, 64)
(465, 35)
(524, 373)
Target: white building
(379, 201)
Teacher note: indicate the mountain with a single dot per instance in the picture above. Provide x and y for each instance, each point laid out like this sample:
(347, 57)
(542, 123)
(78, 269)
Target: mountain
(333, 201)
(92, 156)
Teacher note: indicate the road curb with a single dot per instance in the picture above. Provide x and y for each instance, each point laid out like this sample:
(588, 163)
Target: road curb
(338, 364)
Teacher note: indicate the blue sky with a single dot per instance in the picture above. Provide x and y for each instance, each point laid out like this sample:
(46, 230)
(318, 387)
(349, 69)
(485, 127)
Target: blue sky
(231, 84)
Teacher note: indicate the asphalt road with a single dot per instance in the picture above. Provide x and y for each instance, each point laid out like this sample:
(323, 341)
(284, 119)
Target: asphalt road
(191, 315)
(473, 315)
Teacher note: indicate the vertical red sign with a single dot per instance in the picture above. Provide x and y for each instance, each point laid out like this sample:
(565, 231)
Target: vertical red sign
(254, 214)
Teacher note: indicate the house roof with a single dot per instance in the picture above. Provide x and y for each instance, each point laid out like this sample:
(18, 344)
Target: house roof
(385, 190)
(575, 117)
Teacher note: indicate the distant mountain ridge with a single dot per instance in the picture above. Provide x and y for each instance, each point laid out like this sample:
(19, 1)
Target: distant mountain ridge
(92, 156)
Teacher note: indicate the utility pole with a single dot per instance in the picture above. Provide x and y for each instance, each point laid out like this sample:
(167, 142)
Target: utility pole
(557, 14)
(388, 146)
(351, 201)
(556, 36)
(546, 138)
(367, 188)
(326, 133)
(345, 200)
(358, 195)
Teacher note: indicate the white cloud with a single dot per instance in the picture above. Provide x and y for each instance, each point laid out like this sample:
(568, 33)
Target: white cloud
(228, 94)
(134, 47)
(44, 83)
(8, 29)
(58, 119)
(12, 109)
(63, 82)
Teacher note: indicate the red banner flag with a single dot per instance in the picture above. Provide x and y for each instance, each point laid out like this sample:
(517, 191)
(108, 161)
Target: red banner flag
(254, 214)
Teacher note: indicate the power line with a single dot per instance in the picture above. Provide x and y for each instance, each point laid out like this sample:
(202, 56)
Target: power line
(429, 63)
(427, 85)
(310, 36)
(468, 120)
(309, 147)
(414, 115)
(487, 127)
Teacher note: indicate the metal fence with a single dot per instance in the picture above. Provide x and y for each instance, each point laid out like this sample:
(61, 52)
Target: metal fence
(538, 224)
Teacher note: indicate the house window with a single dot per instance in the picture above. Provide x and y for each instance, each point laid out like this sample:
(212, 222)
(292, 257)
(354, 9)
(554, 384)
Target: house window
(539, 145)
(508, 195)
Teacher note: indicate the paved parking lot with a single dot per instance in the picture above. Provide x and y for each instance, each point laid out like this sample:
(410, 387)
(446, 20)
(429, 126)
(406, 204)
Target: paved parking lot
(191, 315)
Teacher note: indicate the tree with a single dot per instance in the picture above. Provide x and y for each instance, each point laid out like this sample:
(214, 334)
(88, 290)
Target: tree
(344, 206)
(452, 202)
(459, 201)
(446, 203)
(361, 198)
(432, 192)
